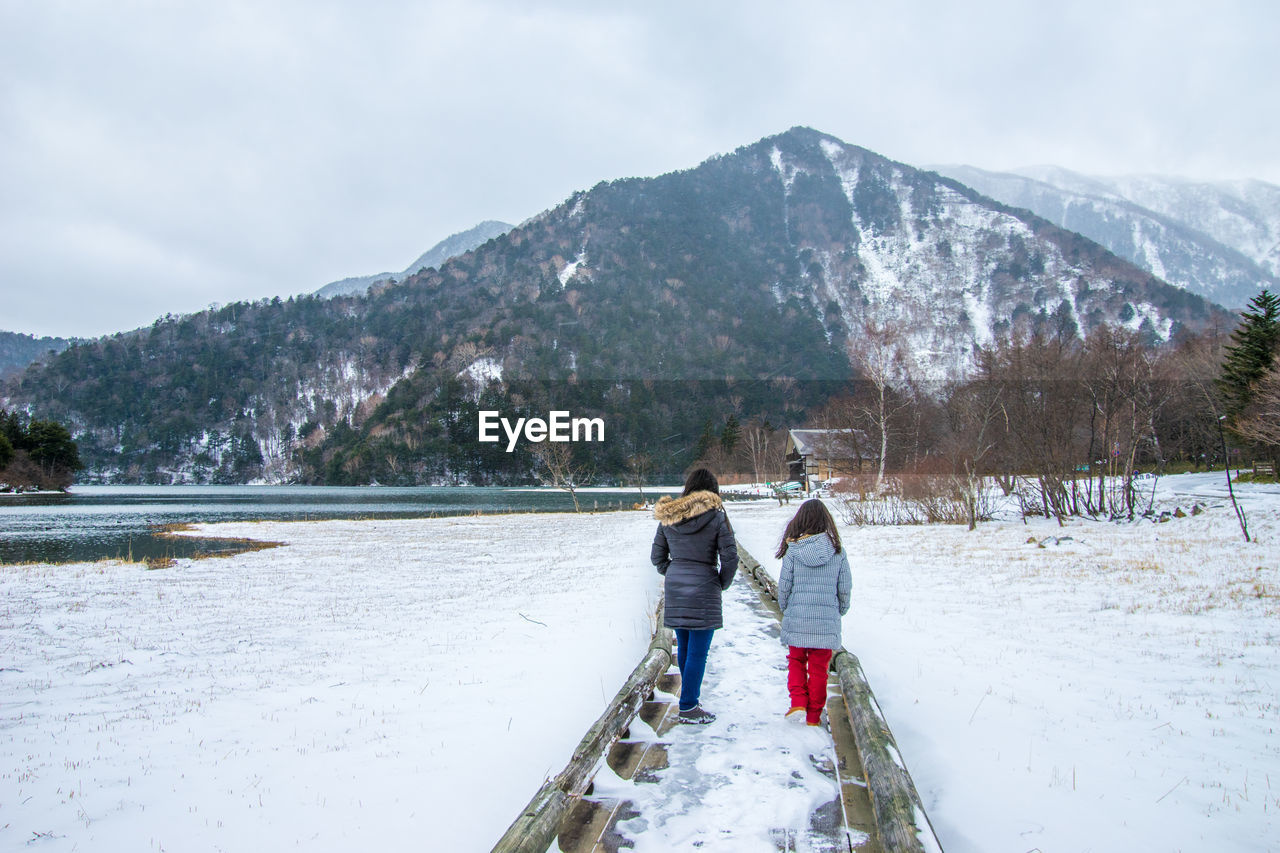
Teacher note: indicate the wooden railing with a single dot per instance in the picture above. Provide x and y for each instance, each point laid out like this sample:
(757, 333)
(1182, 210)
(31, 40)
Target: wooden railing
(536, 828)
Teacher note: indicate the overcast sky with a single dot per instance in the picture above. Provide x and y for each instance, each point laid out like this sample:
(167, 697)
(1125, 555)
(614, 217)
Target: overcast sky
(156, 157)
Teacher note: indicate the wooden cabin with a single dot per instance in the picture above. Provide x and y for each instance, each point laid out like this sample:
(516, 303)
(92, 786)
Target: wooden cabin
(816, 455)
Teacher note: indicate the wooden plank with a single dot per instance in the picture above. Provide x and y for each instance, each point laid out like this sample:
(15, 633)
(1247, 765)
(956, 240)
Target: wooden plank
(539, 823)
(901, 823)
(591, 826)
(585, 823)
(855, 797)
(858, 815)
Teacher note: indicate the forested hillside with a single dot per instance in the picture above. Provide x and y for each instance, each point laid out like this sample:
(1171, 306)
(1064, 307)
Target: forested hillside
(17, 351)
(758, 274)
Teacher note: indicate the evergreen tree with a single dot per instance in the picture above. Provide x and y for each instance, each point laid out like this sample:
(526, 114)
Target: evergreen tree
(1250, 357)
(12, 428)
(730, 435)
(6, 451)
(52, 448)
(705, 441)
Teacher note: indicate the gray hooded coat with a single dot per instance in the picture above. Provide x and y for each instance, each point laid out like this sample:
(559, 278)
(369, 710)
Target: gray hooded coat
(692, 532)
(814, 586)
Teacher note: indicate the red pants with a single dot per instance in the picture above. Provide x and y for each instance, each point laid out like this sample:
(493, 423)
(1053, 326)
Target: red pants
(807, 680)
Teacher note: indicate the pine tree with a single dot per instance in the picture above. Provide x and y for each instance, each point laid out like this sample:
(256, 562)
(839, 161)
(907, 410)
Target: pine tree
(705, 441)
(52, 448)
(730, 435)
(1251, 356)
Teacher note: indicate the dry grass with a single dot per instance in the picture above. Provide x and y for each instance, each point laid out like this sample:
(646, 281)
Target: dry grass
(241, 544)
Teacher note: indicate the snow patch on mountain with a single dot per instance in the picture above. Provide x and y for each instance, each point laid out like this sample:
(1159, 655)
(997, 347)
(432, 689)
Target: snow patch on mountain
(787, 171)
(941, 270)
(847, 172)
(483, 371)
(571, 268)
(1219, 240)
(1144, 313)
(1244, 215)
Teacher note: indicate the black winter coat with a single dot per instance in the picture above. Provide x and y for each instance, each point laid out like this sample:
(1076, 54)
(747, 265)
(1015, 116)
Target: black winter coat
(693, 531)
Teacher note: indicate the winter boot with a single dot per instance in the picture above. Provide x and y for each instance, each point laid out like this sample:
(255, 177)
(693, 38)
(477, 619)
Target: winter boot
(697, 716)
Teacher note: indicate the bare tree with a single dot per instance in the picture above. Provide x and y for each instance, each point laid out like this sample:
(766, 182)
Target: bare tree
(1043, 401)
(1117, 376)
(978, 423)
(754, 446)
(557, 467)
(639, 466)
(877, 352)
(1261, 422)
(1189, 421)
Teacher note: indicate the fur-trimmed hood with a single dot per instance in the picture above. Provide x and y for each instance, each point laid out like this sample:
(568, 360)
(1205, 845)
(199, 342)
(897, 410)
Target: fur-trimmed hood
(672, 511)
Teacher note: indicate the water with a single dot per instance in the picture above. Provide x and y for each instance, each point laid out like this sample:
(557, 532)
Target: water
(106, 522)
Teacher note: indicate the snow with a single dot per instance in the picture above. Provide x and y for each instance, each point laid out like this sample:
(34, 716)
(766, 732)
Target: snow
(483, 371)
(1145, 311)
(734, 784)
(571, 268)
(980, 318)
(786, 171)
(374, 683)
(371, 684)
(909, 285)
(1116, 690)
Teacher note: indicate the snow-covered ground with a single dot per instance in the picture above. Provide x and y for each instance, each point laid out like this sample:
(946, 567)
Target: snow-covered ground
(1117, 689)
(374, 685)
(379, 684)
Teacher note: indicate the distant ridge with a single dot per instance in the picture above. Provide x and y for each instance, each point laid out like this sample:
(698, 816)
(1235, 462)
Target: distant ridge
(449, 247)
(1218, 240)
(18, 350)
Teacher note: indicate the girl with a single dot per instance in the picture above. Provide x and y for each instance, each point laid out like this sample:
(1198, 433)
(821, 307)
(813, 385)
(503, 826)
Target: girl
(813, 592)
(693, 531)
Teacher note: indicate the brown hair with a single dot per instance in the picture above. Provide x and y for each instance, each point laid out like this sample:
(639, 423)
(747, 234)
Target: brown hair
(812, 518)
(701, 480)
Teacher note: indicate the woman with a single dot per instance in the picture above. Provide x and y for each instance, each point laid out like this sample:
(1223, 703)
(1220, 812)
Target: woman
(693, 531)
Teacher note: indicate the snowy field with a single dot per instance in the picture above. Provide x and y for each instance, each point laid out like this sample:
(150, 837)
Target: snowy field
(1116, 690)
(373, 685)
(379, 684)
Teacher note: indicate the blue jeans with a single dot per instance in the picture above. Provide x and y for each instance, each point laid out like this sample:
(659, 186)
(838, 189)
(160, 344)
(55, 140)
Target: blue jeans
(691, 656)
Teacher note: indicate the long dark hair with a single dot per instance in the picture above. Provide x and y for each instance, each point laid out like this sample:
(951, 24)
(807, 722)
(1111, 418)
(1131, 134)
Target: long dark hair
(701, 480)
(812, 518)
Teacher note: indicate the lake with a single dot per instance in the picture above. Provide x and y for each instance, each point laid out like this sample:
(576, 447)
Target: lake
(108, 522)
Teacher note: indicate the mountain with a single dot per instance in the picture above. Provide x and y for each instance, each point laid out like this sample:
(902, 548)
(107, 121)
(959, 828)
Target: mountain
(1220, 240)
(661, 304)
(18, 350)
(447, 248)
(1242, 215)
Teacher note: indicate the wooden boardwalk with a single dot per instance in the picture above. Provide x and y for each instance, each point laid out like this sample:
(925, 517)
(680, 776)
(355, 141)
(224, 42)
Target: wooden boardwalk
(663, 779)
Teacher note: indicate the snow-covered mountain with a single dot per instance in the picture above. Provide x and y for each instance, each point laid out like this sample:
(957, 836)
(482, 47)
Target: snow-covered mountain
(449, 247)
(757, 275)
(1220, 240)
(944, 266)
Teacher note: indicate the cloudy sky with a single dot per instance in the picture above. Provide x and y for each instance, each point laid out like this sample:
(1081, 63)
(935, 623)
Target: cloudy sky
(157, 157)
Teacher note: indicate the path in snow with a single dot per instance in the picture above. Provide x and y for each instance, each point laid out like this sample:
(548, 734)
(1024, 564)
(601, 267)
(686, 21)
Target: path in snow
(749, 781)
